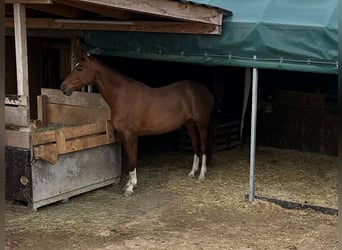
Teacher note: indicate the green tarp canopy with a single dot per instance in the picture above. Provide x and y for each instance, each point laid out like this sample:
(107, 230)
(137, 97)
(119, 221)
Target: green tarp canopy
(274, 34)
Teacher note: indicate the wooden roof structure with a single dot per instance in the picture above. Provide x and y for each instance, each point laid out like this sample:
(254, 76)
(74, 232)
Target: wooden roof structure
(167, 16)
(53, 17)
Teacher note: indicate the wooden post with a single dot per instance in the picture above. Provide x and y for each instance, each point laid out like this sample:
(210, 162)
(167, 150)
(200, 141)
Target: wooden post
(74, 52)
(60, 141)
(21, 55)
(42, 109)
(21, 49)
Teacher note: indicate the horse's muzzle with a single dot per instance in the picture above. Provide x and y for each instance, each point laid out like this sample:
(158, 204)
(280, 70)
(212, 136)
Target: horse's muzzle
(67, 92)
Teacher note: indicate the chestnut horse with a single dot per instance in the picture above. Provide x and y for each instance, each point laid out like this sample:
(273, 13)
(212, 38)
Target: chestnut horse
(137, 109)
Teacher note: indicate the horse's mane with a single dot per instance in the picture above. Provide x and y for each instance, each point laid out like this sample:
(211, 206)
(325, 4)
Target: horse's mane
(115, 71)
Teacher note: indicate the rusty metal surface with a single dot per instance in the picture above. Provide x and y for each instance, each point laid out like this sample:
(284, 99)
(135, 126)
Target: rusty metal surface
(39, 183)
(17, 167)
(75, 171)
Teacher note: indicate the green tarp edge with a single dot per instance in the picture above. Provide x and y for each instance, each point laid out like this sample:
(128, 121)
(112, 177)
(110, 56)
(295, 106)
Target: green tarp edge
(226, 61)
(275, 34)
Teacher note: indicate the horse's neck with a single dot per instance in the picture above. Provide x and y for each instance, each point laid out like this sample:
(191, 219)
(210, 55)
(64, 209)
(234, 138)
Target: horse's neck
(109, 83)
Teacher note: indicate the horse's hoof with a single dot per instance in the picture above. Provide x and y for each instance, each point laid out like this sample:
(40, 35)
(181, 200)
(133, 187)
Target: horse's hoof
(191, 175)
(128, 193)
(201, 177)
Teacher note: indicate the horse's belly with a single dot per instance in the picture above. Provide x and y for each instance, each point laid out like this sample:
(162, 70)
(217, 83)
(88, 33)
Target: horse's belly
(162, 124)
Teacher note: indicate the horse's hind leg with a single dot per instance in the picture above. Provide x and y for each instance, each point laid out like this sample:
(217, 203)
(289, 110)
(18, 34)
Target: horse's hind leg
(203, 133)
(191, 128)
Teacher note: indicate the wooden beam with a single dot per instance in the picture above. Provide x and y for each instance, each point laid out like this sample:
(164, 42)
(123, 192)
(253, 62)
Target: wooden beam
(51, 33)
(80, 99)
(61, 141)
(44, 137)
(41, 106)
(58, 9)
(165, 8)
(73, 115)
(21, 49)
(106, 11)
(19, 139)
(50, 136)
(18, 116)
(30, 1)
(110, 131)
(139, 26)
(16, 100)
(46, 152)
(49, 144)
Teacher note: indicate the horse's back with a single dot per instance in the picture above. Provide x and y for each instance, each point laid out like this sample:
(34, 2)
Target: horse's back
(197, 92)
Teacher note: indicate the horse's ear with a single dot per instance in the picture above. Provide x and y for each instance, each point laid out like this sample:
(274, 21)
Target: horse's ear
(82, 55)
(85, 56)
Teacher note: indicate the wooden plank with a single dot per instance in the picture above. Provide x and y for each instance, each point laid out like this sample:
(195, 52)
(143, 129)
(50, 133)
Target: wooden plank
(84, 130)
(138, 26)
(59, 10)
(19, 139)
(81, 99)
(50, 136)
(109, 131)
(34, 205)
(30, 1)
(43, 137)
(48, 33)
(42, 112)
(105, 11)
(85, 143)
(50, 151)
(47, 152)
(18, 116)
(61, 142)
(49, 144)
(16, 100)
(72, 115)
(166, 8)
(21, 49)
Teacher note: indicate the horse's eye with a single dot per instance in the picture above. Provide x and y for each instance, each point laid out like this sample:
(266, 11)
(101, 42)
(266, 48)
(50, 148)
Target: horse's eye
(79, 69)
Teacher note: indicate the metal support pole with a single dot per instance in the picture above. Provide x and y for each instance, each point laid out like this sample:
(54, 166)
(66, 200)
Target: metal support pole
(90, 88)
(251, 195)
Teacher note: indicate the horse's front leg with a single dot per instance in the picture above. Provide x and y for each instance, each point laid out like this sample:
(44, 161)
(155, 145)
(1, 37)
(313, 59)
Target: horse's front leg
(130, 143)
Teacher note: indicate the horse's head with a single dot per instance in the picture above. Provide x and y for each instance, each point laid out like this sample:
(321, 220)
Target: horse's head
(82, 75)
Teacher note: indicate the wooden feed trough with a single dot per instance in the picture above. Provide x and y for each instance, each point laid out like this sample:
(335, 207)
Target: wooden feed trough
(72, 150)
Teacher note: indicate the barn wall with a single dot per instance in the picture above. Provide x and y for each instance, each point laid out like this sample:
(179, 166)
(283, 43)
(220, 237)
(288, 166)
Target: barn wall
(297, 120)
(48, 63)
(297, 110)
(34, 51)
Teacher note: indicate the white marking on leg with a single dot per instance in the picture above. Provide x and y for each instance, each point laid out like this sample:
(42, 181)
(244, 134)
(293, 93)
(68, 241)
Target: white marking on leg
(203, 168)
(132, 183)
(194, 166)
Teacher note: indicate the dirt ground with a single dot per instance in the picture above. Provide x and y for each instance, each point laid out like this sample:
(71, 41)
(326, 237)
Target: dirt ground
(171, 211)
